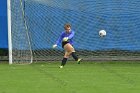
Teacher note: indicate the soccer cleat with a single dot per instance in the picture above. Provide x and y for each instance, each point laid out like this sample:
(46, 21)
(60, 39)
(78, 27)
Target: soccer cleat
(60, 66)
(79, 60)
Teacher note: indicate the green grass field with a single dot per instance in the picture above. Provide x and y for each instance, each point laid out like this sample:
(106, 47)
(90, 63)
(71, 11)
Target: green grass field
(88, 77)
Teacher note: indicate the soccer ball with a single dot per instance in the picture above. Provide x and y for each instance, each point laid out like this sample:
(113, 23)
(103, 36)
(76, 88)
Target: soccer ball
(102, 33)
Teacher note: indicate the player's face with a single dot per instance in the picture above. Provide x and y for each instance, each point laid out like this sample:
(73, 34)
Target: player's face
(67, 29)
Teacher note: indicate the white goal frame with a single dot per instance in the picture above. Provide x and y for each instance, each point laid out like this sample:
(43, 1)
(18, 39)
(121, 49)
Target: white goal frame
(10, 32)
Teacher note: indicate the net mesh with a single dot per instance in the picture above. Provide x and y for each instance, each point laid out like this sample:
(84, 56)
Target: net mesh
(21, 48)
(45, 20)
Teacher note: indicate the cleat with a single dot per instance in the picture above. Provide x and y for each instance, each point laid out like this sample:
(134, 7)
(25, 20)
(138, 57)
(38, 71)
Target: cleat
(60, 66)
(79, 60)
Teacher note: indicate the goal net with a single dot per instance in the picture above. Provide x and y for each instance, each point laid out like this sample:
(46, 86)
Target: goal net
(37, 24)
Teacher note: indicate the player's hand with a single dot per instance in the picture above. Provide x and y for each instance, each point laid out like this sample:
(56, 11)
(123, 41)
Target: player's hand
(65, 39)
(54, 46)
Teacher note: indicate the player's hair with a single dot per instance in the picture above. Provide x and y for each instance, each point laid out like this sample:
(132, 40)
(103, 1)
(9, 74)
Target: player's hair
(67, 25)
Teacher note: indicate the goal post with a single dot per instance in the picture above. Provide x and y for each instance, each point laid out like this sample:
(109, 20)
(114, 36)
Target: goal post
(18, 36)
(35, 25)
(9, 31)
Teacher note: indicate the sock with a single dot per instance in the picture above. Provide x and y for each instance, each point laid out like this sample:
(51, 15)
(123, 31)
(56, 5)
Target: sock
(64, 60)
(74, 56)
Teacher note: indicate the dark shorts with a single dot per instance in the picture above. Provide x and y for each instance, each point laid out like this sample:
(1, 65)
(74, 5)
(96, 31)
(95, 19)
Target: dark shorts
(64, 43)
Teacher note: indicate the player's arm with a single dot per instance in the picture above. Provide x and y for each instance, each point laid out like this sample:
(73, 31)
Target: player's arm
(71, 35)
(58, 41)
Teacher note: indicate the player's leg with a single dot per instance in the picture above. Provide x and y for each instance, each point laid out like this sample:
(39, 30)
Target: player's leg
(71, 50)
(66, 55)
(64, 60)
(76, 57)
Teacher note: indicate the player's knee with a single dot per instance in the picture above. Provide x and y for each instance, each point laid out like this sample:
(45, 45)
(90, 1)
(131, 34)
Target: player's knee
(72, 50)
(66, 56)
(69, 53)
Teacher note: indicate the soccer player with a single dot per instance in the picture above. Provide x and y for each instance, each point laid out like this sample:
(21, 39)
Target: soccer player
(67, 43)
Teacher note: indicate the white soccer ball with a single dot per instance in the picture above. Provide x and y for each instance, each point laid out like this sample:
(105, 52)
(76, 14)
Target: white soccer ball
(102, 33)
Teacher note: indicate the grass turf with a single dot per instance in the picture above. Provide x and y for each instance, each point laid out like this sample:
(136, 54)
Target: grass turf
(88, 77)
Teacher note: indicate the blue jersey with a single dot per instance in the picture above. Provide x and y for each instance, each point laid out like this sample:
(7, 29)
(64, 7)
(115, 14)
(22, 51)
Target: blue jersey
(65, 34)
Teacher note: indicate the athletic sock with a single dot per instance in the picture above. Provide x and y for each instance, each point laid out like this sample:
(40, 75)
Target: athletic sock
(74, 56)
(64, 60)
